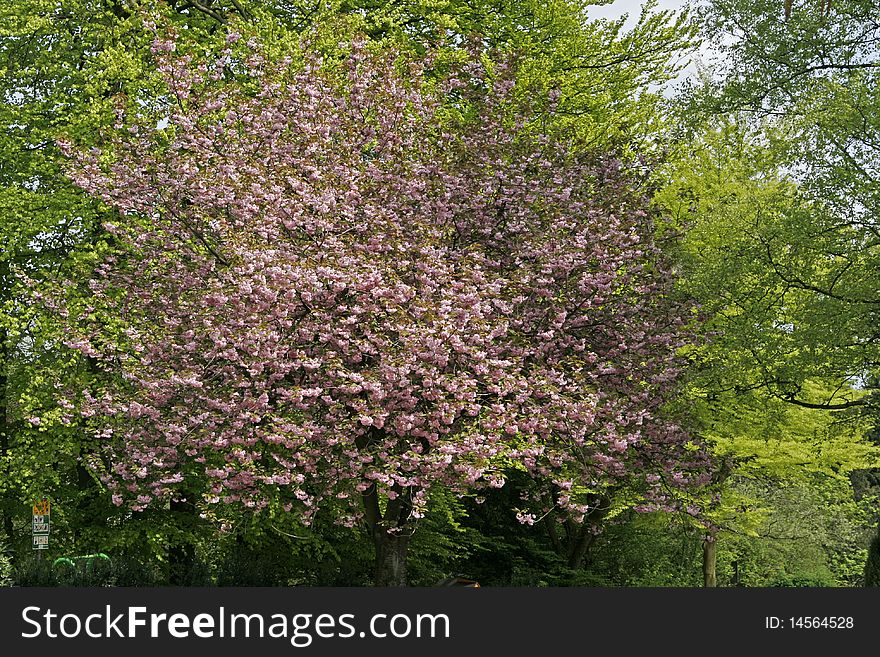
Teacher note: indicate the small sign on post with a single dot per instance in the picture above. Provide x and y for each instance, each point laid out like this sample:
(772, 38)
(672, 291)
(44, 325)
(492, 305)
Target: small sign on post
(41, 524)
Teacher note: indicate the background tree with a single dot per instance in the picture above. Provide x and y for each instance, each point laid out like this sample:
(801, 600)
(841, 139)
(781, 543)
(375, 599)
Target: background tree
(771, 344)
(806, 89)
(819, 114)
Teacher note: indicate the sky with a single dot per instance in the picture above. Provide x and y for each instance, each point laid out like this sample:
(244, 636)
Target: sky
(631, 7)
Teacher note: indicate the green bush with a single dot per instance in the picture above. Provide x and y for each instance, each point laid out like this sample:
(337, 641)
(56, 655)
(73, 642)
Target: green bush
(816, 579)
(33, 571)
(118, 571)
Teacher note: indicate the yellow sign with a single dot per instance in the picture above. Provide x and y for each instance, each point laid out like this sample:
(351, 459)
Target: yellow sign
(41, 507)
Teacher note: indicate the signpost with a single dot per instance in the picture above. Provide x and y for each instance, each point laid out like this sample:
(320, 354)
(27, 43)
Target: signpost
(41, 525)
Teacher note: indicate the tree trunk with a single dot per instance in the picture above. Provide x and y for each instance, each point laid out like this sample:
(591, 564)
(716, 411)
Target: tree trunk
(579, 536)
(390, 533)
(872, 565)
(585, 537)
(391, 552)
(182, 553)
(90, 512)
(6, 511)
(709, 545)
(8, 527)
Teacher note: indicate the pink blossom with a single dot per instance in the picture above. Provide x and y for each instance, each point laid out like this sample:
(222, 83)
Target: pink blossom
(322, 306)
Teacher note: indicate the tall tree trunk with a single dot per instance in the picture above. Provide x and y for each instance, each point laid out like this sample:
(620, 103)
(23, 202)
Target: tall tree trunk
(390, 533)
(872, 565)
(710, 540)
(579, 536)
(8, 528)
(90, 512)
(182, 553)
(584, 539)
(391, 553)
(709, 554)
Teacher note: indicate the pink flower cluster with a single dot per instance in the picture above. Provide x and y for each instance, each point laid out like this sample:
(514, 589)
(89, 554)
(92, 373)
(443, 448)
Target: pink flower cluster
(335, 285)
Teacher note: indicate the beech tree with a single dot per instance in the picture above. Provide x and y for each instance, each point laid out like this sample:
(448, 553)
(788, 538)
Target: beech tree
(802, 93)
(339, 285)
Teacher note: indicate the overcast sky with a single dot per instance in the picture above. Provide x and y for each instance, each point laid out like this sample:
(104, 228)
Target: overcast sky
(631, 7)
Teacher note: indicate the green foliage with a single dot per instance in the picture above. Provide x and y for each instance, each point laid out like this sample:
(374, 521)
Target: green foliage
(441, 544)
(775, 387)
(812, 526)
(821, 579)
(798, 99)
(502, 551)
(648, 550)
(263, 563)
(809, 534)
